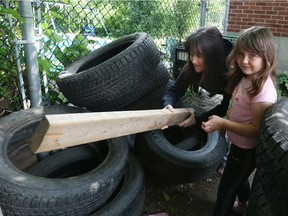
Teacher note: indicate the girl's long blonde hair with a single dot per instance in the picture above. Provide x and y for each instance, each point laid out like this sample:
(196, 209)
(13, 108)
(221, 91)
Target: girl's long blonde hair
(258, 40)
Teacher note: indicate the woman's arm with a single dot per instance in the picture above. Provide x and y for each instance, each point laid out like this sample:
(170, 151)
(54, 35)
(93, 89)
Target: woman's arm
(172, 96)
(250, 130)
(178, 89)
(219, 110)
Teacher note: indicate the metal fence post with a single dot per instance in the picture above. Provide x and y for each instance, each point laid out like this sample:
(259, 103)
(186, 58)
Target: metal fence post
(203, 10)
(17, 55)
(225, 24)
(30, 52)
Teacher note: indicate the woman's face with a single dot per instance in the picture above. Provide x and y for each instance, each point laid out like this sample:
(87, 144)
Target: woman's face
(250, 63)
(197, 61)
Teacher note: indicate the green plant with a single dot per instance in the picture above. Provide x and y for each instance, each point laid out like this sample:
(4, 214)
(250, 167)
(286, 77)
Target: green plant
(282, 85)
(184, 12)
(53, 95)
(10, 99)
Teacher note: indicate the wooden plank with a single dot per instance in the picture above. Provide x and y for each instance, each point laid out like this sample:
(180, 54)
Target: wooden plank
(67, 130)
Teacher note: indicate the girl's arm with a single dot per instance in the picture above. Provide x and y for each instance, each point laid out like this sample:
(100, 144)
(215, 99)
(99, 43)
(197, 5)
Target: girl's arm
(250, 130)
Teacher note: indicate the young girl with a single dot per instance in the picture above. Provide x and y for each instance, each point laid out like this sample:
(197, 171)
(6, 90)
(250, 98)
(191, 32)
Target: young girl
(252, 81)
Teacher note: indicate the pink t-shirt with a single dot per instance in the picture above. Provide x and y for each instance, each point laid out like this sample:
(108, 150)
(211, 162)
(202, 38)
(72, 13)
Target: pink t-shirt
(240, 109)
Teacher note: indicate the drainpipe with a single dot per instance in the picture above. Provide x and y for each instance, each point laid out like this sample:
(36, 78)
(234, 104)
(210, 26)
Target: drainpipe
(203, 10)
(30, 52)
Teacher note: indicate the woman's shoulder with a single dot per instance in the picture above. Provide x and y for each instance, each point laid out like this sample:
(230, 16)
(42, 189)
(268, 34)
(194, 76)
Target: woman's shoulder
(228, 46)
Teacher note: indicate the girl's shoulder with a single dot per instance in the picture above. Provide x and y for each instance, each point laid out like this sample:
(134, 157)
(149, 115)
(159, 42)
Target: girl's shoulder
(268, 92)
(269, 83)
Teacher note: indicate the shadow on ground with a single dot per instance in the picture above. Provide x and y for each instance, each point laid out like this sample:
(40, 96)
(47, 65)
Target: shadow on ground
(192, 199)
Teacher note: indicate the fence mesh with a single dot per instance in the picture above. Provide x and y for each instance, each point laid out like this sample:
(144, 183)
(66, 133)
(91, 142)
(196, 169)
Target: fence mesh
(67, 30)
(12, 61)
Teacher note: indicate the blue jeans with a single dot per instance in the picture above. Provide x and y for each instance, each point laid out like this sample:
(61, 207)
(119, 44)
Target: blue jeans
(240, 164)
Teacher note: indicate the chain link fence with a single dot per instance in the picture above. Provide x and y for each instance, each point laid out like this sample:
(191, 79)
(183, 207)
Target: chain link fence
(66, 30)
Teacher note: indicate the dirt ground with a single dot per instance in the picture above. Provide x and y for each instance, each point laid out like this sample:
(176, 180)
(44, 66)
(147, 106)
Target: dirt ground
(192, 199)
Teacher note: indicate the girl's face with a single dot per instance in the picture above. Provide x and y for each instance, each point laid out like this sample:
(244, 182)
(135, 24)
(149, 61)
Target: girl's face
(250, 63)
(197, 61)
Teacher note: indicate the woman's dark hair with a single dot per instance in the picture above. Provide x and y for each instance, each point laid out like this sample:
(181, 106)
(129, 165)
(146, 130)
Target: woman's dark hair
(208, 42)
(258, 40)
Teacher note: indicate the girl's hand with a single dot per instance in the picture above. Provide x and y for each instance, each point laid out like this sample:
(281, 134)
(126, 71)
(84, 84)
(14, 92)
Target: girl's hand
(214, 123)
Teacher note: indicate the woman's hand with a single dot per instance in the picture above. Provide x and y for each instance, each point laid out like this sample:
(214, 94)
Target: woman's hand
(214, 123)
(171, 109)
(189, 121)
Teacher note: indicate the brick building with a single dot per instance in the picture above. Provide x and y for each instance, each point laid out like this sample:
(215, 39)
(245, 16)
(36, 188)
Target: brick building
(269, 13)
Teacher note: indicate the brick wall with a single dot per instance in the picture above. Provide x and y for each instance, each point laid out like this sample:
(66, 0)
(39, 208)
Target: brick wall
(269, 13)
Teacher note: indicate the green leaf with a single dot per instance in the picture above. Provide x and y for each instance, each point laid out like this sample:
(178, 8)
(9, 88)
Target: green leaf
(12, 12)
(56, 38)
(44, 64)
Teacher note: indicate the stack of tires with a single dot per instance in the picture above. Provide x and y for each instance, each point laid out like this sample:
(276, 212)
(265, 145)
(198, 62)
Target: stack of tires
(105, 177)
(119, 76)
(128, 74)
(91, 179)
(269, 193)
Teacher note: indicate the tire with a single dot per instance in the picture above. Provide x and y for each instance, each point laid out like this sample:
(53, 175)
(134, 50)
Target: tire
(128, 197)
(69, 162)
(258, 203)
(158, 152)
(19, 152)
(272, 155)
(25, 194)
(128, 200)
(159, 77)
(152, 100)
(115, 70)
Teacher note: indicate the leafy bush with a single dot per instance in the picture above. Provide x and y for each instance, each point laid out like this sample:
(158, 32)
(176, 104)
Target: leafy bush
(282, 82)
(10, 99)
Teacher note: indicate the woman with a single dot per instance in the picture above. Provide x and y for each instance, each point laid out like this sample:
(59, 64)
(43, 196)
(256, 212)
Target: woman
(205, 68)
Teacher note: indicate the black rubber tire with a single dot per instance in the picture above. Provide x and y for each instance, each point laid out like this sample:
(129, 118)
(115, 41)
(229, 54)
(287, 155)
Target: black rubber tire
(128, 197)
(159, 77)
(272, 155)
(114, 70)
(152, 100)
(258, 203)
(18, 151)
(160, 155)
(128, 200)
(25, 194)
(70, 162)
